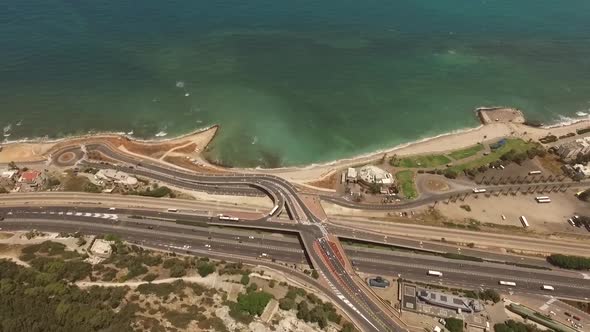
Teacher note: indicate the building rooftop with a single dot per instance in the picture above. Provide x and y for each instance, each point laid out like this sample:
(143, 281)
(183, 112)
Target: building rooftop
(115, 176)
(449, 301)
(374, 174)
(101, 248)
(8, 173)
(29, 176)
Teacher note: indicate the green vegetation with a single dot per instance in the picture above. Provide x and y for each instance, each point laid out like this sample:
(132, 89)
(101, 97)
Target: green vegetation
(245, 279)
(155, 192)
(205, 268)
(513, 326)
(424, 161)
(466, 153)
(253, 302)
(451, 255)
(31, 300)
(310, 308)
(584, 306)
(489, 295)
(473, 225)
(176, 267)
(315, 274)
(569, 262)
(538, 318)
(406, 183)
(454, 324)
(515, 145)
(182, 319)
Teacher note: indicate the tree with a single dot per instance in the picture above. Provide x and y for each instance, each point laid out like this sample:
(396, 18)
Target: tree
(348, 327)
(205, 268)
(253, 302)
(12, 165)
(451, 173)
(286, 303)
(245, 279)
(454, 324)
(315, 274)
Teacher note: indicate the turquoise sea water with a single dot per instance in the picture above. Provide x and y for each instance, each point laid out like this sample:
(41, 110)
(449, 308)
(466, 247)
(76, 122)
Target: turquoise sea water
(290, 82)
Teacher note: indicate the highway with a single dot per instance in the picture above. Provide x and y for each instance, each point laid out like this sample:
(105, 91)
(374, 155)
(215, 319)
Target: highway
(321, 249)
(288, 249)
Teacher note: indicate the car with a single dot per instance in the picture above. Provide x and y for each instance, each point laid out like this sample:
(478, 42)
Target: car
(1, 218)
(150, 227)
(207, 246)
(251, 237)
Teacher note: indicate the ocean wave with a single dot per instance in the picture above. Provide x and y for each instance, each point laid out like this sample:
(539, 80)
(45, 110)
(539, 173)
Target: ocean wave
(563, 121)
(91, 133)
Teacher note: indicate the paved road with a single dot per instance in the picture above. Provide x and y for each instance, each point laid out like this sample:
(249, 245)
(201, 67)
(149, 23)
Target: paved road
(488, 239)
(287, 249)
(363, 307)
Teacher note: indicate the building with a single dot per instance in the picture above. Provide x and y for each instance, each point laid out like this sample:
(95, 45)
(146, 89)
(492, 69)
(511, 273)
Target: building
(570, 150)
(101, 248)
(351, 175)
(449, 301)
(583, 169)
(32, 178)
(378, 282)
(373, 174)
(9, 174)
(112, 175)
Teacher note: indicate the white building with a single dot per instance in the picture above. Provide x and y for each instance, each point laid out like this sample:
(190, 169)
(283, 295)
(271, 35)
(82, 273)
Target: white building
(101, 248)
(9, 174)
(351, 175)
(374, 174)
(584, 169)
(571, 149)
(112, 175)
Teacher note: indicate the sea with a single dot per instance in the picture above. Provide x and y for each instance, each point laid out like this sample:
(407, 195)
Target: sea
(290, 83)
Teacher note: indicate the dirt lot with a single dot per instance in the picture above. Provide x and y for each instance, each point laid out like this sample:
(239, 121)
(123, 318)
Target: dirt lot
(551, 217)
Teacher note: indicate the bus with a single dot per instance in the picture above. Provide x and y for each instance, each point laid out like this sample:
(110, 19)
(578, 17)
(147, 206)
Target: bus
(172, 210)
(543, 199)
(222, 217)
(274, 209)
(478, 190)
(435, 273)
(507, 283)
(525, 223)
(547, 287)
(534, 172)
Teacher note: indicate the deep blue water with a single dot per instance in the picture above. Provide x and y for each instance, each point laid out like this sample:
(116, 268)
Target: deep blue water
(290, 82)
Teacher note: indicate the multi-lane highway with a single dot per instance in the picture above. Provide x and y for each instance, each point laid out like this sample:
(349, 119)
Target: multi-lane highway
(319, 249)
(165, 233)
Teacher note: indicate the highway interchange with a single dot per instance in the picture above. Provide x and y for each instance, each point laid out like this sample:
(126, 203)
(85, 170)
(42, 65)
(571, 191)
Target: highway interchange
(313, 245)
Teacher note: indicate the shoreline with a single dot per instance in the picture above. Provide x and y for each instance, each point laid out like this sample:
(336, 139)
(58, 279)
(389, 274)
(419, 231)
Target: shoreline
(444, 142)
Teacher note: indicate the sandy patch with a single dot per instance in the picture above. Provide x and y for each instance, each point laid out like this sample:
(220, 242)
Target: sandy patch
(549, 217)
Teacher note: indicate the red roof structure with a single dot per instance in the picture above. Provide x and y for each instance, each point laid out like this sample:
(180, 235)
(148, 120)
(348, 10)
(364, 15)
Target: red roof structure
(29, 176)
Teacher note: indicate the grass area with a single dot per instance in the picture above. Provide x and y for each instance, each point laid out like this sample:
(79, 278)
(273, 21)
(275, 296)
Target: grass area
(425, 161)
(406, 182)
(517, 145)
(467, 152)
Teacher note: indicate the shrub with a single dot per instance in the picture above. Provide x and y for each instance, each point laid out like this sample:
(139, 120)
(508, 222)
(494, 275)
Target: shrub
(569, 262)
(253, 302)
(454, 324)
(245, 279)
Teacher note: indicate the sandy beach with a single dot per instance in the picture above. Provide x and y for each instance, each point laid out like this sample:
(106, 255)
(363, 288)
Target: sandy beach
(438, 144)
(192, 145)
